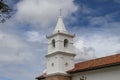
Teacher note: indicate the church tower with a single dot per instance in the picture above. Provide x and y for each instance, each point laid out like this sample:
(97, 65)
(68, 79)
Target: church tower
(60, 57)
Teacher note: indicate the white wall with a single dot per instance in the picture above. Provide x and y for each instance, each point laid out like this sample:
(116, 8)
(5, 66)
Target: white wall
(59, 44)
(102, 74)
(66, 59)
(52, 69)
(59, 61)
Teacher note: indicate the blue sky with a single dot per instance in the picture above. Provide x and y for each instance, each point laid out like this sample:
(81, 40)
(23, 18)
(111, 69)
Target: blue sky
(23, 43)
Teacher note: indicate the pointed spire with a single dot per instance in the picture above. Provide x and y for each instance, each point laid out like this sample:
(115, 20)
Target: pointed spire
(60, 27)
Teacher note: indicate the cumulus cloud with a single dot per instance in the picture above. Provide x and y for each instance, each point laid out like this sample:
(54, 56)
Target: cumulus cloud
(83, 52)
(13, 49)
(22, 46)
(98, 21)
(18, 58)
(104, 45)
(43, 12)
(103, 39)
(7, 40)
(101, 20)
(85, 10)
(95, 46)
(34, 36)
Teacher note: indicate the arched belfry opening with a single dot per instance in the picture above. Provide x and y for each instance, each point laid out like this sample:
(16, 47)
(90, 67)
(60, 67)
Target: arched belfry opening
(65, 42)
(53, 43)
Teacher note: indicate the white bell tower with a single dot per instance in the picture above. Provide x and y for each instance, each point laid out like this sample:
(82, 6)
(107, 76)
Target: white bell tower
(60, 57)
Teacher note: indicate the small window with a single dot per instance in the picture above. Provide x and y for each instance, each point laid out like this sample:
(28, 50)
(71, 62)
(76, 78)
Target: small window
(52, 64)
(53, 43)
(83, 78)
(66, 64)
(65, 43)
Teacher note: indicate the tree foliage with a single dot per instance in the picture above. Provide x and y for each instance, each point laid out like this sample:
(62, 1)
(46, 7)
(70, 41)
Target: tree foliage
(4, 11)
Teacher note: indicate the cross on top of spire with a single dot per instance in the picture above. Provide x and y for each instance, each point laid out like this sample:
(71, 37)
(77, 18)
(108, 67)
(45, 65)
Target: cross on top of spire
(60, 12)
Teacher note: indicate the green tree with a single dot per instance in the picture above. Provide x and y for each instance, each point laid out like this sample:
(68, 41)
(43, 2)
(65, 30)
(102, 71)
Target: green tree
(4, 11)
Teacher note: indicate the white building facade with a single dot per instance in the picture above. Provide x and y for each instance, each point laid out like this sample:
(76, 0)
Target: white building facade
(112, 73)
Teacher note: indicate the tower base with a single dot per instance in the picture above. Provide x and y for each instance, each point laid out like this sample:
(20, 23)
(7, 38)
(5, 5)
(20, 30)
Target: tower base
(58, 77)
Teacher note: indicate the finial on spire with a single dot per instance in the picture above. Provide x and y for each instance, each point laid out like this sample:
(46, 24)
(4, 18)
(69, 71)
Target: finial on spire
(60, 11)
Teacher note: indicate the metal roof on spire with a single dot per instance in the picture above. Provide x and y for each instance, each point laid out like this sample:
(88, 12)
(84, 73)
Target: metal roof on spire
(60, 27)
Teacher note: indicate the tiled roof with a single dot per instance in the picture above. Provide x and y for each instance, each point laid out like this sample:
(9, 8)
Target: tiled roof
(96, 63)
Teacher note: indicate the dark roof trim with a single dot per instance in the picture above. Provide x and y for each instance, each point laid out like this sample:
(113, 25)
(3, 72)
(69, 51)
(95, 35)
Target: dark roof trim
(72, 36)
(60, 52)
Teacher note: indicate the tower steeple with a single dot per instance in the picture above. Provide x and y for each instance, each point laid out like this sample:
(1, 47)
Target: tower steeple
(60, 27)
(60, 56)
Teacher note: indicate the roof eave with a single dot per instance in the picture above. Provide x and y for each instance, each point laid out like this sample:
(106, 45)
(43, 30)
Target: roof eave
(94, 68)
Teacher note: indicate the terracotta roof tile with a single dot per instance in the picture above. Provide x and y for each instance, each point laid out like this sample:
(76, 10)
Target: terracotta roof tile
(96, 63)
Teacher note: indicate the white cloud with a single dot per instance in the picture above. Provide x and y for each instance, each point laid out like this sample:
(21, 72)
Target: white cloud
(21, 58)
(103, 40)
(98, 21)
(11, 41)
(17, 56)
(34, 36)
(101, 20)
(96, 45)
(12, 48)
(86, 10)
(43, 12)
(79, 44)
(83, 52)
(104, 45)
